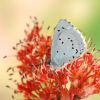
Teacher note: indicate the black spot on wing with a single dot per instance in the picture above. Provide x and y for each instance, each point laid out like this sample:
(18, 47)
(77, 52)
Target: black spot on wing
(57, 51)
(80, 52)
(82, 49)
(58, 30)
(62, 42)
(59, 38)
(63, 27)
(68, 38)
(71, 40)
(76, 51)
(72, 44)
(81, 43)
(64, 53)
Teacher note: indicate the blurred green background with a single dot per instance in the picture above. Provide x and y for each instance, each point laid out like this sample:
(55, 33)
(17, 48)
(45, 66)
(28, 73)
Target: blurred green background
(84, 14)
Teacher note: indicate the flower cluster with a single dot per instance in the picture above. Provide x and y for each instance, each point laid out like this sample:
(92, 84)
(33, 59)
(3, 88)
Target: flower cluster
(39, 81)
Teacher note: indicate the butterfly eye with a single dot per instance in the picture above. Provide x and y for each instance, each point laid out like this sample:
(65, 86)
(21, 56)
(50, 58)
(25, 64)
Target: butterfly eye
(72, 47)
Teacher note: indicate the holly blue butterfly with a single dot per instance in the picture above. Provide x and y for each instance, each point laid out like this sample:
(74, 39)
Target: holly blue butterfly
(67, 45)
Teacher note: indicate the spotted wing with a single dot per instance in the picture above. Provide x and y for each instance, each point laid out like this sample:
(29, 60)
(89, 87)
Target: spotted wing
(68, 44)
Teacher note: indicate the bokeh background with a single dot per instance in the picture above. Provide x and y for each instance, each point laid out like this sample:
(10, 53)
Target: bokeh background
(84, 14)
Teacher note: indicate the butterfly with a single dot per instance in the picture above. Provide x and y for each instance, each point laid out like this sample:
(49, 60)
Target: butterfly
(68, 44)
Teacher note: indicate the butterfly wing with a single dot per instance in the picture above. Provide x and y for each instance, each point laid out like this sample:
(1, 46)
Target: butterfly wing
(68, 44)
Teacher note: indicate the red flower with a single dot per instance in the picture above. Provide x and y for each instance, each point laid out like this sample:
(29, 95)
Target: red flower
(39, 81)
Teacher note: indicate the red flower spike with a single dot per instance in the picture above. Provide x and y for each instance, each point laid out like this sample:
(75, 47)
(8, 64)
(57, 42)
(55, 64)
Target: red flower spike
(40, 82)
